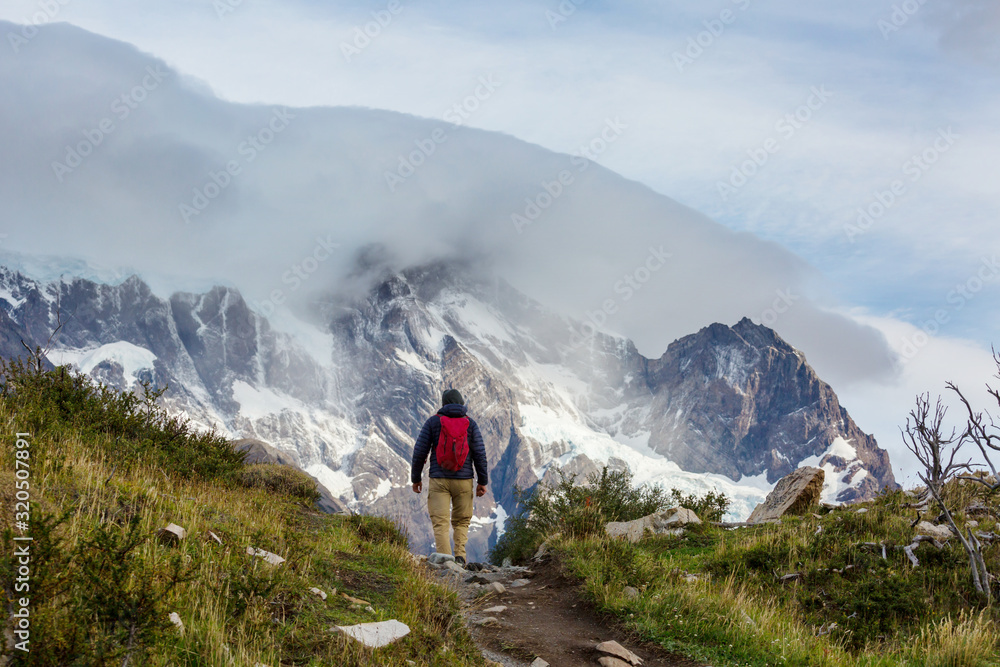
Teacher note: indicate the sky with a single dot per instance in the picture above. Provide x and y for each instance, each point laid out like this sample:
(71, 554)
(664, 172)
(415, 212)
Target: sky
(846, 152)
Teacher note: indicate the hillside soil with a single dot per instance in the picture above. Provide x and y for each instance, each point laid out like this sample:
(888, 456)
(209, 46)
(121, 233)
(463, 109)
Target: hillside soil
(547, 618)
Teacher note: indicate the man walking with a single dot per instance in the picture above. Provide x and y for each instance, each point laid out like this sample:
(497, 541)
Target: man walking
(455, 446)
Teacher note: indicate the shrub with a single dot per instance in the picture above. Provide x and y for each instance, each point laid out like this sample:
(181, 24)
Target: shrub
(574, 510)
(710, 507)
(60, 401)
(279, 479)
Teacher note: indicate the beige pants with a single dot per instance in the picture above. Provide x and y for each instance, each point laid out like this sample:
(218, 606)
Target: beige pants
(450, 501)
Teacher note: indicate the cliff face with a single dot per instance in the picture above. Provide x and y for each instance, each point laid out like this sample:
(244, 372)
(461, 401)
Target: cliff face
(348, 388)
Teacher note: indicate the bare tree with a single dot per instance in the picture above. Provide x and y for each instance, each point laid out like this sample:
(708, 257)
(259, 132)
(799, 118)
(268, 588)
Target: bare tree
(937, 452)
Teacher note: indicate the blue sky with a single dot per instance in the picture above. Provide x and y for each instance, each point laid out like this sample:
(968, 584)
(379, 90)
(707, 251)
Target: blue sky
(891, 95)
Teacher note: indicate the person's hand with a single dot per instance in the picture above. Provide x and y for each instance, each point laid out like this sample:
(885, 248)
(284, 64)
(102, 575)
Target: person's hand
(480, 490)
(417, 487)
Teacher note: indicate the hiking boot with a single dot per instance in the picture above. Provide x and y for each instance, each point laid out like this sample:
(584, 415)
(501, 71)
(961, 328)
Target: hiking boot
(459, 560)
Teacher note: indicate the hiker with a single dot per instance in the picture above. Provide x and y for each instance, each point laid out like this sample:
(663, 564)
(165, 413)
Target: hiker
(455, 444)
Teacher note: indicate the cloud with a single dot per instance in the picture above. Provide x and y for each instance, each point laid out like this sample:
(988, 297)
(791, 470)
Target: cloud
(113, 156)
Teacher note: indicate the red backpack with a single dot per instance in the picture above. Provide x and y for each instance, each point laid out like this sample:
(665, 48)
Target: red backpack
(453, 443)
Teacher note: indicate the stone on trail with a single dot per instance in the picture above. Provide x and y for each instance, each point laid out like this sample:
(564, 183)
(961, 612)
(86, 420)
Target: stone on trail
(172, 534)
(487, 620)
(616, 650)
(497, 588)
(517, 583)
(454, 567)
(794, 493)
(376, 635)
(940, 533)
(538, 662)
(270, 558)
(609, 661)
(440, 558)
(495, 610)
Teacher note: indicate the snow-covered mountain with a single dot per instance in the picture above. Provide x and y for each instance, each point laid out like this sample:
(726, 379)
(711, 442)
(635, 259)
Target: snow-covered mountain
(347, 385)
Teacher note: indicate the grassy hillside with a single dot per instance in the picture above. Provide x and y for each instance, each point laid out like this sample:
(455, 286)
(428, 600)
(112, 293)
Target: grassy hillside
(717, 594)
(108, 470)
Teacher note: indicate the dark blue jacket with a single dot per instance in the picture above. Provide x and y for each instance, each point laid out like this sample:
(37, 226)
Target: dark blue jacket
(427, 442)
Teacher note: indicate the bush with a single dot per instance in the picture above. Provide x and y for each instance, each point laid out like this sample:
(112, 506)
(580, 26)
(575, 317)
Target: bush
(60, 401)
(279, 479)
(710, 507)
(575, 511)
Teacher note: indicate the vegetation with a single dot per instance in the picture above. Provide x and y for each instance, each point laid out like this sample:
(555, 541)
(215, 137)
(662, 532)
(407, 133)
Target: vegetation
(109, 469)
(718, 595)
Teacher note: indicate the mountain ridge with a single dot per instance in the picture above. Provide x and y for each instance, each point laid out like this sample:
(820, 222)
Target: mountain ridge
(727, 407)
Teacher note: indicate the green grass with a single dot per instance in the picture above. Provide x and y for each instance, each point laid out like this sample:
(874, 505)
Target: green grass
(737, 612)
(108, 471)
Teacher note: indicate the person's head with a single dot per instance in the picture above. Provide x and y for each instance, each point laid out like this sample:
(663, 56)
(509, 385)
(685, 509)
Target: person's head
(452, 396)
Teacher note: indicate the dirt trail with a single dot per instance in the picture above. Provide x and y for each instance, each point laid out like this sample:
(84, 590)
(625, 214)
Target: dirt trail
(546, 617)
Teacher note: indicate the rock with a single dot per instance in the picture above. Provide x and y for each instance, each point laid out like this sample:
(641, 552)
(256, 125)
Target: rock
(487, 620)
(795, 576)
(616, 650)
(517, 583)
(972, 523)
(862, 510)
(538, 662)
(941, 533)
(439, 558)
(318, 592)
(630, 592)
(357, 601)
(667, 522)
(452, 566)
(270, 558)
(476, 579)
(215, 538)
(376, 635)
(172, 534)
(794, 493)
(610, 661)
(176, 620)
(497, 588)
(495, 610)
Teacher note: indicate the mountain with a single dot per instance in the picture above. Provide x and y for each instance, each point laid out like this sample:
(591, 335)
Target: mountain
(346, 386)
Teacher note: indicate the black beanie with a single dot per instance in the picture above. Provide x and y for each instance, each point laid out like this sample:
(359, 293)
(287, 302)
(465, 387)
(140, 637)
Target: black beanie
(452, 396)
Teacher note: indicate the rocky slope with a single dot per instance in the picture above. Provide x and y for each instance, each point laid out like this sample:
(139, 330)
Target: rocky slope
(347, 386)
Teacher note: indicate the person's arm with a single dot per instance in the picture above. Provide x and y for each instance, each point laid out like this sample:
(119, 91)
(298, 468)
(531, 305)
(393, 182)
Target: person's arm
(478, 450)
(420, 451)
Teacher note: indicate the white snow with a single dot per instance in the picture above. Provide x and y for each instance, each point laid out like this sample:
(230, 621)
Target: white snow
(8, 296)
(834, 482)
(415, 361)
(259, 402)
(131, 358)
(336, 481)
(316, 342)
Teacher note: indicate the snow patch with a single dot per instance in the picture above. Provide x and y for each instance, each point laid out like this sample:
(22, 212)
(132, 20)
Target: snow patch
(256, 403)
(336, 481)
(131, 358)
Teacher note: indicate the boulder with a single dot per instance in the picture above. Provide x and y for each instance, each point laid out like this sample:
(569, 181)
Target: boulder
(497, 588)
(794, 493)
(439, 558)
(376, 635)
(668, 522)
(940, 533)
